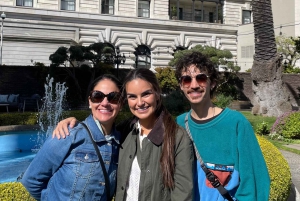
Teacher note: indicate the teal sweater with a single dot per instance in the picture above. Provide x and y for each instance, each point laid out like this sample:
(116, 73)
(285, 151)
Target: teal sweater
(228, 141)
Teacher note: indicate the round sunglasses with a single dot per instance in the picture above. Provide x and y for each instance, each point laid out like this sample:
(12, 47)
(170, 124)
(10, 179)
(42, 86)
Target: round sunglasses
(98, 97)
(186, 80)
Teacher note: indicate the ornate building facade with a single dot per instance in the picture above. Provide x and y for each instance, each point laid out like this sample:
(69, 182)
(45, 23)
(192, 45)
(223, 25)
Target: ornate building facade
(148, 32)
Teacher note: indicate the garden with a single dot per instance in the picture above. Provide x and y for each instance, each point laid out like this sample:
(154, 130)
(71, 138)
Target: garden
(272, 133)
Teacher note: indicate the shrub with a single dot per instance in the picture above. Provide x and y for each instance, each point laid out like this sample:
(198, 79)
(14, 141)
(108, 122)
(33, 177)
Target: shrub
(288, 125)
(222, 100)
(262, 128)
(20, 118)
(176, 103)
(279, 171)
(14, 191)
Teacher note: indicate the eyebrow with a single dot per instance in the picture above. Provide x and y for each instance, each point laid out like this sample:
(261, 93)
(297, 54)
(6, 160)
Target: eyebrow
(147, 91)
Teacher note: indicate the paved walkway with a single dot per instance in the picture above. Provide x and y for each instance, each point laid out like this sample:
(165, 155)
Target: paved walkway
(294, 163)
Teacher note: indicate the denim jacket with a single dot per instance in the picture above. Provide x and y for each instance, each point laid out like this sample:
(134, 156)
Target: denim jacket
(69, 169)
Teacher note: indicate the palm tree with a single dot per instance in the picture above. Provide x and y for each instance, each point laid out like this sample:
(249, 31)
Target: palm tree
(271, 97)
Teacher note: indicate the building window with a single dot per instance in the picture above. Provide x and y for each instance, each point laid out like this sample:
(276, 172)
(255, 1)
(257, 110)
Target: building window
(211, 17)
(246, 17)
(198, 15)
(108, 7)
(247, 51)
(144, 8)
(28, 3)
(68, 4)
(142, 57)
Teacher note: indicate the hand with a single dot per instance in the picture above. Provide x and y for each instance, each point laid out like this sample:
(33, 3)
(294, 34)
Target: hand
(61, 129)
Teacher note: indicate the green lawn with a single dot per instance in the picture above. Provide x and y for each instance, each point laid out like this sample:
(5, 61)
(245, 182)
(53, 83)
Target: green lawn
(255, 120)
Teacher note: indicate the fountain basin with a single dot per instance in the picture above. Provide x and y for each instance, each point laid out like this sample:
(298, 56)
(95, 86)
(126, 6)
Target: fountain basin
(17, 150)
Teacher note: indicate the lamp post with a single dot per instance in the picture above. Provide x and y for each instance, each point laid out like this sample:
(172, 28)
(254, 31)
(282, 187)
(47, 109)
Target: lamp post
(118, 59)
(3, 16)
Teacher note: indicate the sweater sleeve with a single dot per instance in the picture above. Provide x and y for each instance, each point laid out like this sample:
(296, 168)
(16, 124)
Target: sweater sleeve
(47, 161)
(184, 159)
(254, 176)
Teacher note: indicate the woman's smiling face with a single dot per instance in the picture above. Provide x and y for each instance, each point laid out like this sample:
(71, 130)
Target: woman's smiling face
(142, 100)
(105, 112)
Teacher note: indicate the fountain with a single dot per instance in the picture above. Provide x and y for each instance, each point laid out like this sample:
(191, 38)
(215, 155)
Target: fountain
(51, 111)
(18, 148)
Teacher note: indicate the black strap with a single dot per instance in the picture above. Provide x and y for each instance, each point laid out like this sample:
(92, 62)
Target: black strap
(107, 186)
(211, 177)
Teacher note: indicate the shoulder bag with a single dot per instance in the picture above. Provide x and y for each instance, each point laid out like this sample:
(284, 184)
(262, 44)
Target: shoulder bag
(107, 186)
(211, 177)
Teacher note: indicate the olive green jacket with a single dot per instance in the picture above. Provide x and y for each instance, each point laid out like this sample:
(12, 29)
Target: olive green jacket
(151, 186)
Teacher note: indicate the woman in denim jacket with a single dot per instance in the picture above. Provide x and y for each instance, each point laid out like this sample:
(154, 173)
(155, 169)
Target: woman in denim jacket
(69, 169)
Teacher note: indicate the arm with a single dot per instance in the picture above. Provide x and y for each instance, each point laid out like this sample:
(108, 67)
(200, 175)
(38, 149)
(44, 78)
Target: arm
(183, 176)
(62, 130)
(254, 176)
(47, 161)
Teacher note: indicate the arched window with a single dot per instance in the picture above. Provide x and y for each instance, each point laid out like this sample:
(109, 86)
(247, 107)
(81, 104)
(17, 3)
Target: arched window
(142, 57)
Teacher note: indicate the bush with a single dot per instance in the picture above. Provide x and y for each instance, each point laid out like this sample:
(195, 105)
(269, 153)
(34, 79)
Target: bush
(176, 103)
(25, 118)
(222, 100)
(262, 128)
(279, 171)
(14, 191)
(288, 125)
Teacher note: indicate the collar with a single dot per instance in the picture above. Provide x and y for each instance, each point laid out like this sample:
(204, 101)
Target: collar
(97, 133)
(156, 135)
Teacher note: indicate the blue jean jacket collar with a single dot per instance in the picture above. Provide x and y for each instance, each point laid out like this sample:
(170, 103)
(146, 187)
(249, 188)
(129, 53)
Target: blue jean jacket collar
(90, 122)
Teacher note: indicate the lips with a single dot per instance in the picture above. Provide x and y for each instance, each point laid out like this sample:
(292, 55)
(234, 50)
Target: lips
(105, 111)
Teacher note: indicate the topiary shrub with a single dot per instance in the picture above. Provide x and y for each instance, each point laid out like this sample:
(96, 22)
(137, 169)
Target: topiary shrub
(279, 171)
(14, 191)
(288, 125)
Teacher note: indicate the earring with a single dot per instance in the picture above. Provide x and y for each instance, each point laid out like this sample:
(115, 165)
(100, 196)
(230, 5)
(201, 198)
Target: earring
(90, 107)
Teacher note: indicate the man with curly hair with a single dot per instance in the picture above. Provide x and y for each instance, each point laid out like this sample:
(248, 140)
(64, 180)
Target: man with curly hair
(224, 138)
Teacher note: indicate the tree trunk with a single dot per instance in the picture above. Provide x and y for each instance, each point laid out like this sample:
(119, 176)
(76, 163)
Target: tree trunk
(271, 97)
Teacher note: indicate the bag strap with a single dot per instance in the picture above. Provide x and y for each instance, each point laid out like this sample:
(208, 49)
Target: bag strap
(211, 177)
(107, 186)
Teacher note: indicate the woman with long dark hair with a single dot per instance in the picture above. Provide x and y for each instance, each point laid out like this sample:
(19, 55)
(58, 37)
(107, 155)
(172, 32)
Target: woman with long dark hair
(156, 158)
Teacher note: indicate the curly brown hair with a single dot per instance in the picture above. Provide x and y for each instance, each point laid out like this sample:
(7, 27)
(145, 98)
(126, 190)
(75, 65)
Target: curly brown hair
(202, 62)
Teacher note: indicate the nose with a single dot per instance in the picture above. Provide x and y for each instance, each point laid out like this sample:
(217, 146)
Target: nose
(194, 83)
(104, 102)
(140, 101)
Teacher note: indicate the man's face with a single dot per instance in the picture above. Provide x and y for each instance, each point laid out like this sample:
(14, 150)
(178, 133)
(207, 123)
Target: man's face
(195, 85)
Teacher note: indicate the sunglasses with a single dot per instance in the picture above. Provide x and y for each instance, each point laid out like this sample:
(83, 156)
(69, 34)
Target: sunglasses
(98, 97)
(186, 80)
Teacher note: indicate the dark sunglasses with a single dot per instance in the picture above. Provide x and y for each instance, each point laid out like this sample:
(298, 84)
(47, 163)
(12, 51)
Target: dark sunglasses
(186, 80)
(98, 97)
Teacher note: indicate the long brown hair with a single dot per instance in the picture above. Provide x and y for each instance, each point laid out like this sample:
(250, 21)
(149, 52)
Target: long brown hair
(167, 159)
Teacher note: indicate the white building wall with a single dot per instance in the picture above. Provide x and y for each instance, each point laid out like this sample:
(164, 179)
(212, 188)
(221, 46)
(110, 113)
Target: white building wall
(245, 46)
(160, 9)
(7, 2)
(91, 6)
(47, 4)
(297, 18)
(233, 11)
(128, 8)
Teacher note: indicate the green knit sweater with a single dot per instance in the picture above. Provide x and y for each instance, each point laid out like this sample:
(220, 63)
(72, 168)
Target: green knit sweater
(229, 140)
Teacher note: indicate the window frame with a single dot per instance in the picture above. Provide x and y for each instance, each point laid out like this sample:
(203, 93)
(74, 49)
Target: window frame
(106, 6)
(141, 10)
(65, 7)
(23, 3)
(244, 17)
